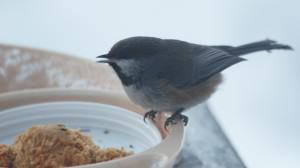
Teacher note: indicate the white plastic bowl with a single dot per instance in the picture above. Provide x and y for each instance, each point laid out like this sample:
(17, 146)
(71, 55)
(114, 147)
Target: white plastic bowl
(109, 126)
(93, 111)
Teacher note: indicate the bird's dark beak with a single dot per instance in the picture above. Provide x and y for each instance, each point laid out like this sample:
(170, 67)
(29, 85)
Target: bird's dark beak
(103, 59)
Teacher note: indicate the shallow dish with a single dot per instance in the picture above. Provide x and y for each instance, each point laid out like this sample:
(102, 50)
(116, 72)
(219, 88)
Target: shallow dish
(107, 125)
(100, 114)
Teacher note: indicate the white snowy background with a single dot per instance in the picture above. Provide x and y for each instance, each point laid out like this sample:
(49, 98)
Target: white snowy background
(258, 105)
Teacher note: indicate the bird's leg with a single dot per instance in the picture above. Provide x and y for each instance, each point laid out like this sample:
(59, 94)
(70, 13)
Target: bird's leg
(150, 114)
(177, 116)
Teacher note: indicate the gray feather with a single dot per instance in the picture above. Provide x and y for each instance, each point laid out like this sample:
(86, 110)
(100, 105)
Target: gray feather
(204, 62)
(265, 45)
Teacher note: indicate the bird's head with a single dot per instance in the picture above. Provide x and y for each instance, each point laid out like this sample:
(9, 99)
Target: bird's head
(132, 48)
(129, 57)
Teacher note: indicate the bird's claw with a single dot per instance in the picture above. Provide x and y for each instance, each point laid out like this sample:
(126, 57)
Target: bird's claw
(184, 119)
(175, 118)
(150, 114)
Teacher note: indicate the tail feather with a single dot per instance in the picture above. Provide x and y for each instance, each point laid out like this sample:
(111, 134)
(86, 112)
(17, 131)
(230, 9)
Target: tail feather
(265, 45)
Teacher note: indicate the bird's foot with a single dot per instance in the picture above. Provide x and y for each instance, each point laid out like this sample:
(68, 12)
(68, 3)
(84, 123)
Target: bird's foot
(150, 114)
(175, 118)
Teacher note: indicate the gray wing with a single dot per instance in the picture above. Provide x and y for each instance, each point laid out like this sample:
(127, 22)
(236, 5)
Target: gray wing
(195, 65)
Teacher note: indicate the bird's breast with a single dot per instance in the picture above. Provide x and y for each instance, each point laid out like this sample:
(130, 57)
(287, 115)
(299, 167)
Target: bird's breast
(165, 97)
(147, 97)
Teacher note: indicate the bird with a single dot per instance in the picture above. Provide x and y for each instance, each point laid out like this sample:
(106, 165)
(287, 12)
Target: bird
(169, 75)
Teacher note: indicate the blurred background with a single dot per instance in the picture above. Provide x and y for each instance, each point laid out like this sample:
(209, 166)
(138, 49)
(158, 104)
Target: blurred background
(258, 105)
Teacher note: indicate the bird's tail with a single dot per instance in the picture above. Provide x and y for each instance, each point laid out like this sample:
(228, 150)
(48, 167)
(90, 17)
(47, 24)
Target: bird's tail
(265, 45)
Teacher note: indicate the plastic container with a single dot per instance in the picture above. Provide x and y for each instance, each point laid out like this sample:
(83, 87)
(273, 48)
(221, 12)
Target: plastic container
(109, 126)
(100, 114)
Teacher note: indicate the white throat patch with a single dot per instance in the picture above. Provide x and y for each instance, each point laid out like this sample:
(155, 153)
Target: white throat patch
(129, 67)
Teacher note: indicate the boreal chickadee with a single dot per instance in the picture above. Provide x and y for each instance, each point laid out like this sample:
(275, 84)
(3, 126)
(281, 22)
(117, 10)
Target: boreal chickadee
(166, 75)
